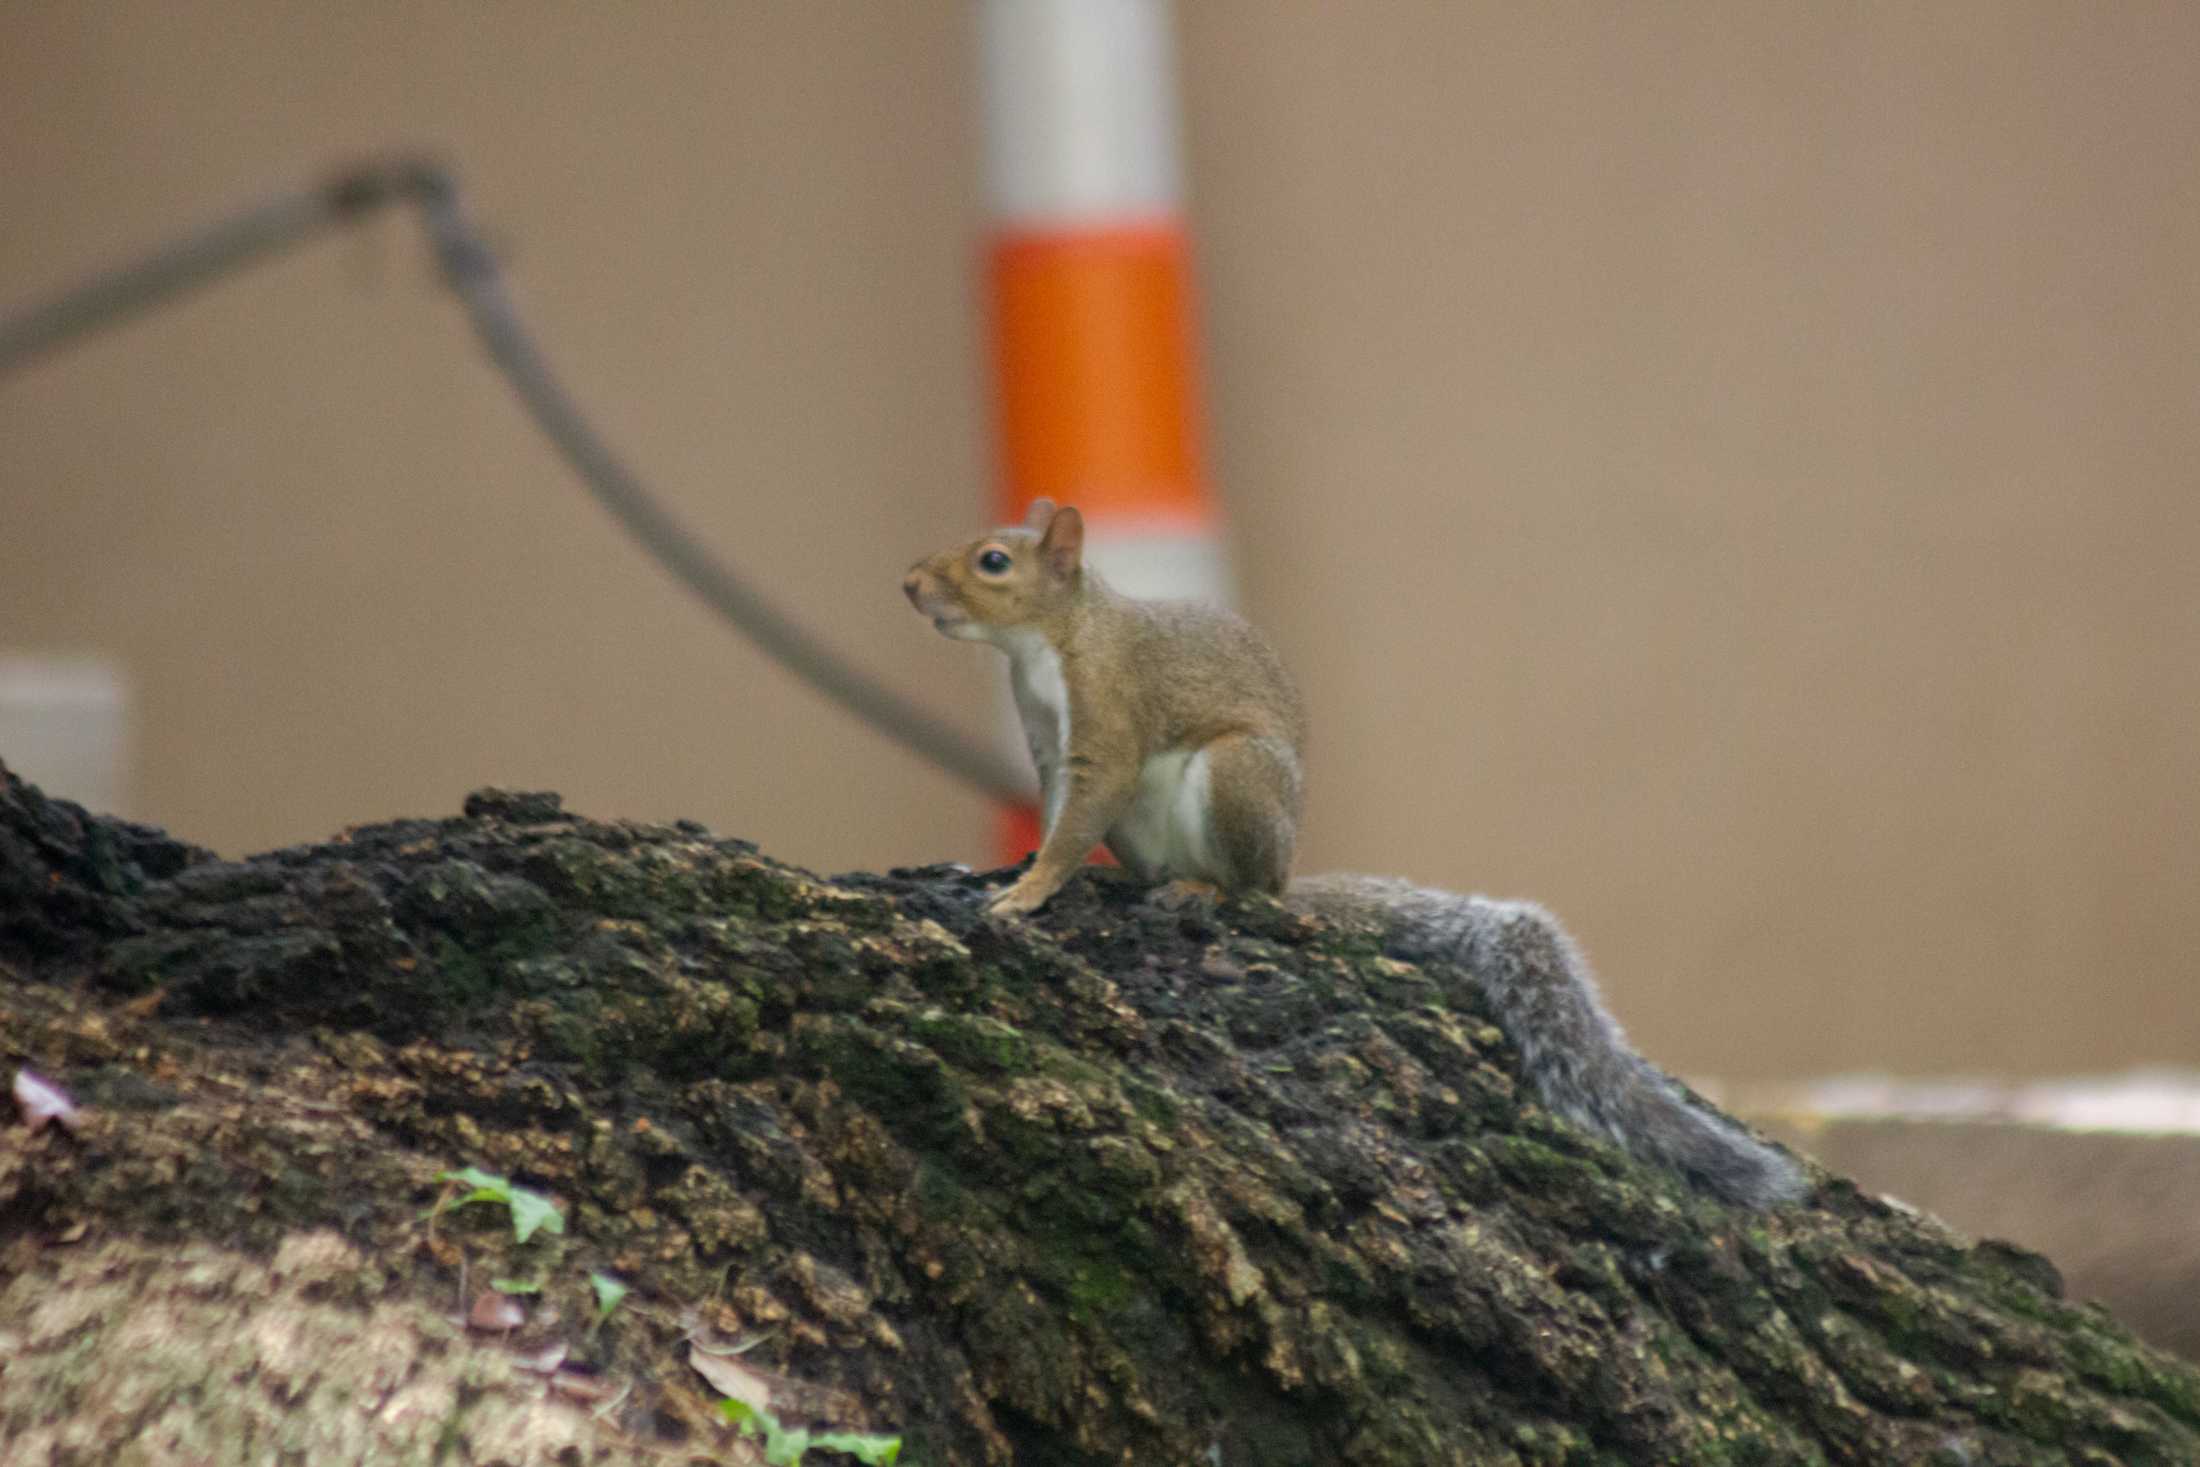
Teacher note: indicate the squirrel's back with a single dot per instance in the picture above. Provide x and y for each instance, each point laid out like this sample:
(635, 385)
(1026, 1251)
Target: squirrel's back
(1221, 674)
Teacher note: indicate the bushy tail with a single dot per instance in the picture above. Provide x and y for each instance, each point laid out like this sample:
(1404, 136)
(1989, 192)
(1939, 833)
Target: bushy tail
(1542, 994)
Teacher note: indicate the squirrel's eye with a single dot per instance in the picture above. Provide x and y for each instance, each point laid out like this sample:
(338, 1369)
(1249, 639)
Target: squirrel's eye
(993, 562)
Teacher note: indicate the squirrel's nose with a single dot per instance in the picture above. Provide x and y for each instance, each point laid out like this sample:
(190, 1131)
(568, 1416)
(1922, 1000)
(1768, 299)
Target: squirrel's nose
(909, 585)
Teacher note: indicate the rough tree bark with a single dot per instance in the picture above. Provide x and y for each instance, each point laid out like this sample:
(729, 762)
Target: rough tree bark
(1114, 1186)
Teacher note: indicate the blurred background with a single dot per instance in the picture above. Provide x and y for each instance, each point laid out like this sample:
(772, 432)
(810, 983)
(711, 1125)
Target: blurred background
(1725, 471)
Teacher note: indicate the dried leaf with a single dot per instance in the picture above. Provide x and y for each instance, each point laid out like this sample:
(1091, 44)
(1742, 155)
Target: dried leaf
(545, 1360)
(731, 1380)
(144, 1006)
(741, 1346)
(581, 1385)
(41, 1101)
(492, 1310)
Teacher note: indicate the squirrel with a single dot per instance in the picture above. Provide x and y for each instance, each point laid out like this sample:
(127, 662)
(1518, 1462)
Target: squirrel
(1170, 731)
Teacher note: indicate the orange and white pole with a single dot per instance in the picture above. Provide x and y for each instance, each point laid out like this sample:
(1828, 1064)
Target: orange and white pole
(1089, 280)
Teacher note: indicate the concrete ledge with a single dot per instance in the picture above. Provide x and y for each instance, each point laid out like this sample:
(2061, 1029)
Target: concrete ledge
(2100, 1174)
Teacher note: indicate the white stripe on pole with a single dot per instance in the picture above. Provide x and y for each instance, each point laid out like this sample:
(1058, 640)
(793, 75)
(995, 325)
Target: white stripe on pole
(1161, 566)
(1080, 110)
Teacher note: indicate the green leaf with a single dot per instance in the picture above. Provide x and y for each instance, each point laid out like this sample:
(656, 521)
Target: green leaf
(777, 1439)
(609, 1291)
(516, 1286)
(878, 1451)
(784, 1448)
(530, 1210)
(485, 1184)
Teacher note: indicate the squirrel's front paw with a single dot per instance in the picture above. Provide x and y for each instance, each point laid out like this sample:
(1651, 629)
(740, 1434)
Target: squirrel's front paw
(1021, 899)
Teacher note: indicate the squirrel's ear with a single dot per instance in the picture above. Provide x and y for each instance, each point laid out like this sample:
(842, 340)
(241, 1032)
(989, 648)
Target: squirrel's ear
(1037, 517)
(1063, 545)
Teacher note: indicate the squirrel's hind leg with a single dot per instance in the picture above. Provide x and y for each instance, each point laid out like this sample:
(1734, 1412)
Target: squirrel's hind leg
(1252, 816)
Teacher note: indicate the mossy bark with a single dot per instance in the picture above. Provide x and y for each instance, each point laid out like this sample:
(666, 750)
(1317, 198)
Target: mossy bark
(1116, 1185)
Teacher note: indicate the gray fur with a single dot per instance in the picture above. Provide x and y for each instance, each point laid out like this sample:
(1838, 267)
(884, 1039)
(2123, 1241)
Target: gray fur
(1572, 1051)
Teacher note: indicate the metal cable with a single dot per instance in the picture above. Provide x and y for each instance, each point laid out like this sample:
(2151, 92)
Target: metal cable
(471, 270)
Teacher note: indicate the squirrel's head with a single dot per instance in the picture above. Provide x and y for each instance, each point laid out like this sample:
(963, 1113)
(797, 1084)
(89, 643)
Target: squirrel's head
(1005, 580)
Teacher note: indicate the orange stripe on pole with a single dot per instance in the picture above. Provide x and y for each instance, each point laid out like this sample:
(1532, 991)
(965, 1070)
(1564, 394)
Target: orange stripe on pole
(1092, 347)
(1092, 351)
(1018, 832)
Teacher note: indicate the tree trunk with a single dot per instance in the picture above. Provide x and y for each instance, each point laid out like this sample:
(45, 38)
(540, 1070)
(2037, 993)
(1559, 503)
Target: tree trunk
(1116, 1185)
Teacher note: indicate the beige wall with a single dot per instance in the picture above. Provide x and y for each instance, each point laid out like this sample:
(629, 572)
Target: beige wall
(1724, 470)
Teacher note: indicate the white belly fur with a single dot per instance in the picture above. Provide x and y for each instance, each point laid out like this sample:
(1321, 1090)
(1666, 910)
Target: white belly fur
(1165, 835)
(1042, 703)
